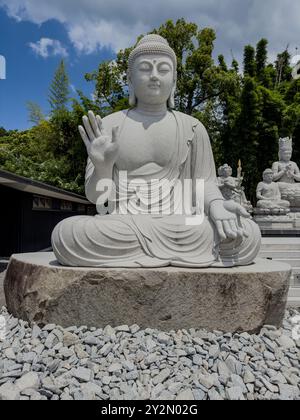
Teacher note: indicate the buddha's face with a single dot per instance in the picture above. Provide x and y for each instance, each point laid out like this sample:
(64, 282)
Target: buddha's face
(153, 78)
(268, 177)
(286, 155)
(227, 171)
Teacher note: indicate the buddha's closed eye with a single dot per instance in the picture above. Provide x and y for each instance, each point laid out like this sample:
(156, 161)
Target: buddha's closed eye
(145, 67)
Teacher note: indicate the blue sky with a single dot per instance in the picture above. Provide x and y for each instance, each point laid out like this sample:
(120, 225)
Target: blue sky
(36, 34)
(28, 75)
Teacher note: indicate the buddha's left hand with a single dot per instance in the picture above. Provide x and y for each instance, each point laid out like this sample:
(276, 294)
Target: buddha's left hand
(226, 215)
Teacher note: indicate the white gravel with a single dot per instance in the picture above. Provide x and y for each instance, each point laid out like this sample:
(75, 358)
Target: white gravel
(128, 363)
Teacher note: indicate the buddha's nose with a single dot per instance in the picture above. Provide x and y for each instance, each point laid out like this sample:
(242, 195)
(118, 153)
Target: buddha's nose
(154, 75)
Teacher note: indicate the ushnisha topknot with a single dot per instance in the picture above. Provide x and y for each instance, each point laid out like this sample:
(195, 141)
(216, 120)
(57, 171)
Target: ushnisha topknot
(152, 44)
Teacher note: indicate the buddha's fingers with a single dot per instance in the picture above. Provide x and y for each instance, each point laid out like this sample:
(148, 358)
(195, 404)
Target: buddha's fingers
(94, 124)
(230, 234)
(100, 124)
(115, 134)
(241, 227)
(241, 233)
(88, 128)
(84, 137)
(235, 227)
(219, 226)
(243, 212)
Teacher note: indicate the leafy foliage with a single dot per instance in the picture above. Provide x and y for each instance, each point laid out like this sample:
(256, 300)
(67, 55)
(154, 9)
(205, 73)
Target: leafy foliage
(35, 113)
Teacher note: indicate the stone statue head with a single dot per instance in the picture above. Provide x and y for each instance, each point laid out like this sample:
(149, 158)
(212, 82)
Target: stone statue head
(268, 176)
(225, 171)
(285, 149)
(152, 72)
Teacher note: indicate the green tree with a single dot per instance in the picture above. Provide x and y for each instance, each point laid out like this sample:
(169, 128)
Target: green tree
(261, 59)
(283, 68)
(271, 109)
(35, 113)
(246, 134)
(235, 66)
(29, 153)
(222, 63)
(249, 61)
(59, 89)
(261, 56)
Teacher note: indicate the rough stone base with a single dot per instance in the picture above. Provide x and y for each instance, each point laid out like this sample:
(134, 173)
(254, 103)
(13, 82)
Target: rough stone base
(235, 299)
(2, 297)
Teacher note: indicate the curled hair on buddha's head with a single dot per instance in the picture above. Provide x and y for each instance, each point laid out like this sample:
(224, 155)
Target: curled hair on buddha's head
(151, 44)
(267, 172)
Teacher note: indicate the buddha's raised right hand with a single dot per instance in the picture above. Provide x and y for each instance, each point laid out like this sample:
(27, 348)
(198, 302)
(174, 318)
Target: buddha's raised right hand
(100, 146)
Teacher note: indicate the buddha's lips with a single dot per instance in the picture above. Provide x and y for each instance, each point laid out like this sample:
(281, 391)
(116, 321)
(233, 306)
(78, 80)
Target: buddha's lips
(154, 86)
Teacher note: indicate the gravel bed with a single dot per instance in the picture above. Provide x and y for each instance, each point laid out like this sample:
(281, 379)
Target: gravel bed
(129, 363)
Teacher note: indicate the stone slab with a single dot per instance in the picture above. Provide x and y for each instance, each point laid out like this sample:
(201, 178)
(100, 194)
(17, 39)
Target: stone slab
(292, 233)
(2, 297)
(233, 299)
(288, 225)
(280, 243)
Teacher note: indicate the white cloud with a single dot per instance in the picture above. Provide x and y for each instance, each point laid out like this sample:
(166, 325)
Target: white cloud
(87, 38)
(47, 47)
(2, 67)
(93, 24)
(296, 59)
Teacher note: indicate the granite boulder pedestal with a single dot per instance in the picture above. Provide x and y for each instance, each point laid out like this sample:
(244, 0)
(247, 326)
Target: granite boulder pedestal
(39, 290)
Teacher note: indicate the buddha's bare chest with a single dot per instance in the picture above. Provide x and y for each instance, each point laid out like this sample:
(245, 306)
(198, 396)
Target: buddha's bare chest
(269, 190)
(282, 166)
(141, 145)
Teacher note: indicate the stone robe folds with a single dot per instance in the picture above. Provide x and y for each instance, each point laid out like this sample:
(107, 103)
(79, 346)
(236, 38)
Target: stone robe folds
(157, 240)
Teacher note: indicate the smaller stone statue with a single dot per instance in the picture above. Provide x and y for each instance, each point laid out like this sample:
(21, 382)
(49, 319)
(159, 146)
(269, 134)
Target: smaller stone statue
(231, 187)
(269, 196)
(287, 173)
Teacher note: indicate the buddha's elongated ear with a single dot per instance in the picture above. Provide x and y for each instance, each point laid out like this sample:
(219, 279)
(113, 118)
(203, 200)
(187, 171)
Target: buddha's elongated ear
(132, 97)
(171, 100)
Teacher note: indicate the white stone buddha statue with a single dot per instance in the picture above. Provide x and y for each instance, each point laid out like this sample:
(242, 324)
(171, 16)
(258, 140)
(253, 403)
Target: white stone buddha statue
(269, 196)
(155, 147)
(231, 187)
(228, 184)
(287, 173)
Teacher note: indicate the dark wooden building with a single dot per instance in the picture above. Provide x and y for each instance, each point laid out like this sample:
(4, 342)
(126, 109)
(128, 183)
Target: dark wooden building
(30, 210)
